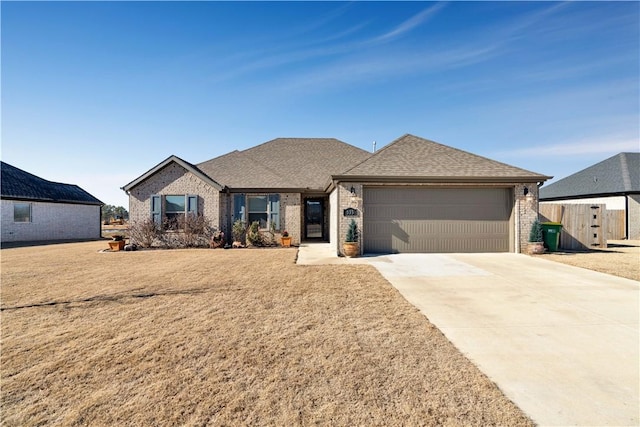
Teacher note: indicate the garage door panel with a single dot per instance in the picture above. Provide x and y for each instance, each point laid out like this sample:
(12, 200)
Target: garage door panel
(436, 220)
(451, 211)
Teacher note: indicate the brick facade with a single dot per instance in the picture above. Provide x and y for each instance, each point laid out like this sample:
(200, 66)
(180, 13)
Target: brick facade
(51, 221)
(175, 180)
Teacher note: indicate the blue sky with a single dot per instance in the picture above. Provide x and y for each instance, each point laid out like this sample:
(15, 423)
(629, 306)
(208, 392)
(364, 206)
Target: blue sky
(97, 93)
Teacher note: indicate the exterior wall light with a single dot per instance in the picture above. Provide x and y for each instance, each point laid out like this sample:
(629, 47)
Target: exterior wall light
(354, 197)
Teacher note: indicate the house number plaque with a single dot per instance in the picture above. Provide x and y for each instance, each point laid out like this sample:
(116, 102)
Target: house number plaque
(350, 212)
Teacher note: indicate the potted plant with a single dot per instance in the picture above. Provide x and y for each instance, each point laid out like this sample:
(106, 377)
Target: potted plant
(285, 239)
(350, 245)
(117, 243)
(536, 241)
(217, 240)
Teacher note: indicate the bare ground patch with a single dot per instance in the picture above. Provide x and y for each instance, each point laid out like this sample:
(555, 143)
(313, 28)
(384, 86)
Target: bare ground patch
(201, 337)
(621, 258)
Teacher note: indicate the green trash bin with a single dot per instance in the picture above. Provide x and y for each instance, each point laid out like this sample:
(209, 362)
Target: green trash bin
(551, 233)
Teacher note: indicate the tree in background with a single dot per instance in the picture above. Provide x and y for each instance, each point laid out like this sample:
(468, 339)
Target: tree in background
(110, 212)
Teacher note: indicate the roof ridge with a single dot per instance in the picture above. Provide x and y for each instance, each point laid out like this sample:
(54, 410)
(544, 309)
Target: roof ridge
(624, 169)
(446, 147)
(375, 153)
(288, 137)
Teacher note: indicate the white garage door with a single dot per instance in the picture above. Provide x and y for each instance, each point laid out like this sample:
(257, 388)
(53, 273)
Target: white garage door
(436, 220)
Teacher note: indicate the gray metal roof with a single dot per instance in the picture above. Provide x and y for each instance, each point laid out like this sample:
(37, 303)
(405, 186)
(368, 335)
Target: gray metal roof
(20, 185)
(616, 175)
(413, 157)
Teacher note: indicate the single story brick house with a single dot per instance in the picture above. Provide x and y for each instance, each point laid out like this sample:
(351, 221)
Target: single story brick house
(614, 182)
(414, 195)
(34, 209)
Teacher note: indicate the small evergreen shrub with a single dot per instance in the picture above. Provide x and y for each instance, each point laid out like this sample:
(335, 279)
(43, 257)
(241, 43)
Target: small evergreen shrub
(535, 235)
(254, 236)
(352, 232)
(238, 230)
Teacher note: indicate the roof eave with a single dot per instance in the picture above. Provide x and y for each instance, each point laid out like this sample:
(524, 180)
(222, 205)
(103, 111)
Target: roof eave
(274, 190)
(49, 200)
(439, 179)
(587, 196)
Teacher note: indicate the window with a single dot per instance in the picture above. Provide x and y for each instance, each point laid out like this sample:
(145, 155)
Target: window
(22, 212)
(173, 208)
(265, 209)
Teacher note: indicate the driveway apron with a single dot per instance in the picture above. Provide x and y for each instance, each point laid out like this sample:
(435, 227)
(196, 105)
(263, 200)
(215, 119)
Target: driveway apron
(561, 342)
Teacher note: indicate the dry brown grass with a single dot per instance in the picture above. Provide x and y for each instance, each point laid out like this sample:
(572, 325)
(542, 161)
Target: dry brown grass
(621, 258)
(202, 337)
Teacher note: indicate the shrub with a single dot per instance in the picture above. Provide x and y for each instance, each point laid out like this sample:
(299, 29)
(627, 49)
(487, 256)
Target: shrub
(352, 232)
(194, 231)
(145, 233)
(535, 235)
(254, 236)
(238, 230)
(189, 231)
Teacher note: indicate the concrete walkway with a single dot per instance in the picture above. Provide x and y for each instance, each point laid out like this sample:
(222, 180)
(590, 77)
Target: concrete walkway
(560, 341)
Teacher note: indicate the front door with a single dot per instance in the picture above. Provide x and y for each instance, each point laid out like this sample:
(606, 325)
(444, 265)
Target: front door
(314, 219)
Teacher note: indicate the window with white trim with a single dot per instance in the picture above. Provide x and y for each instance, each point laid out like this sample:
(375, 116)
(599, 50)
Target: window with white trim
(22, 212)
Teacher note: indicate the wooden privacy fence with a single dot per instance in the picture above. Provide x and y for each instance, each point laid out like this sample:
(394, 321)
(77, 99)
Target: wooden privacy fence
(615, 225)
(584, 225)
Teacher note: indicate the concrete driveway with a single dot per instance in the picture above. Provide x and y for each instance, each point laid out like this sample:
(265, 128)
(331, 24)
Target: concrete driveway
(560, 341)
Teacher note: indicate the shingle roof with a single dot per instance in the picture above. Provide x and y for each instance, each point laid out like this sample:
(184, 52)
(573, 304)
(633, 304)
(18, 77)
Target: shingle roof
(413, 157)
(21, 185)
(237, 170)
(619, 174)
(294, 163)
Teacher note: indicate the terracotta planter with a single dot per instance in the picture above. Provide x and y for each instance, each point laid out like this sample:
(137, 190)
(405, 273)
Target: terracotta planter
(286, 242)
(535, 248)
(116, 245)
(350, 249)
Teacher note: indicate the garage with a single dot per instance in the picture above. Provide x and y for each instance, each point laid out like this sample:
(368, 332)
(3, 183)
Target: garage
(436, 220)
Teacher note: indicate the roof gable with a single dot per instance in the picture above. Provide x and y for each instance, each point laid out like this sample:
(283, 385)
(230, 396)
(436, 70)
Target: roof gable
(618, 174)
(18, 184)
(173, 159)
(413, 157)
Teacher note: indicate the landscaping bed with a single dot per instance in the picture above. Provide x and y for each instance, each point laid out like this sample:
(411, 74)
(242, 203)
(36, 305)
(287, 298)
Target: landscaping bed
(228, 337)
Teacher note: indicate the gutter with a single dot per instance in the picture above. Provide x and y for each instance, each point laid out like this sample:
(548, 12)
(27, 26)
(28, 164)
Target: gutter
(441, 179)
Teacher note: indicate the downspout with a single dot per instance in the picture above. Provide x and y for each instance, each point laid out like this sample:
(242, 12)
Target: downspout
(228, 233)
(626, 216)
(338, 229)
(518, 224)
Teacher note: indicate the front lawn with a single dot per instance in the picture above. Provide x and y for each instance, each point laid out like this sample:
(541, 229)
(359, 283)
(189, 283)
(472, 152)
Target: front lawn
(224, 337)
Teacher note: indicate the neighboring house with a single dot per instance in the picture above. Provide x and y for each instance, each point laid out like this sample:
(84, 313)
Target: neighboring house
(35, 209)
(414, 195)
(614, 182)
